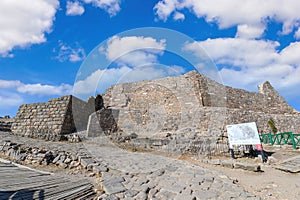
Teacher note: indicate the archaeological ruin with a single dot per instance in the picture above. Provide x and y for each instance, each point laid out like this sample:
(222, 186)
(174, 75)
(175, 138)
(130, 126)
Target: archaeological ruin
(187, 107)
(54, 118)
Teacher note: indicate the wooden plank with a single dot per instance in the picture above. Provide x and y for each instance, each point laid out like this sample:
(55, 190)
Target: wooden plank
(16, 182)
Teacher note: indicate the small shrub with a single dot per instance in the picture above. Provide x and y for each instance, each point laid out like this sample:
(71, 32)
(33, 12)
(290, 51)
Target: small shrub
(271, 124)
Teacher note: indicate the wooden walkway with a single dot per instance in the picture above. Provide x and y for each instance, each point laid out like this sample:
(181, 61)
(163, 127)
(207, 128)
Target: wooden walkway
(22, 183)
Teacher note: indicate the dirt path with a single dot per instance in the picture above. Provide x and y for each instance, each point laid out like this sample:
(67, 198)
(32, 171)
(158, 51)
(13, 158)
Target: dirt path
(269, 184)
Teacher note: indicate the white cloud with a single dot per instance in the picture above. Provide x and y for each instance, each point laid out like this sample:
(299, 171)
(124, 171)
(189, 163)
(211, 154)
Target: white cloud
(25, 22)
(74, 8)
(290, 54)
(68, 53)
(178, 16)
(165, 8)
(13, 93)
(92, 82)
(136, 58)
(297, 34)
(237, 51)
(35, 89)
(134, 51)
(245, 63)
(39, 89)
(248, 31)
(110, 6)
(254, 13)
(9, 100)
(9, 84)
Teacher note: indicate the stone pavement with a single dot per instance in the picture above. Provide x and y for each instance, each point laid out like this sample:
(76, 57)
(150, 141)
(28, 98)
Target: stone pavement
(137, 175)
(290, 165)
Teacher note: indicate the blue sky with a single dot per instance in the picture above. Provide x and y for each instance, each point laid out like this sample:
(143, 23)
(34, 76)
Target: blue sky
(43, 44)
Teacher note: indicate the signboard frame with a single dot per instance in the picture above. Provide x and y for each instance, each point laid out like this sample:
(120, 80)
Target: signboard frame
(243, 134)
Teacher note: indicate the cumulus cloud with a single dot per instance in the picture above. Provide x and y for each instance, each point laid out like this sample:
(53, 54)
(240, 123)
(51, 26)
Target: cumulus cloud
(68, 53)
(297, 34)
(133, 50)
(74, 8)
(13, 93)
(9, 99)
(248, 31)
(25, 22)
(136, 59)
(290, 54)
(91, 83)
(110, 6)
(237, 51)
(178, 16)
(230, 13)
(39, 89)
(245, 63)
(9, 84)
(35, 89)
(164, 8)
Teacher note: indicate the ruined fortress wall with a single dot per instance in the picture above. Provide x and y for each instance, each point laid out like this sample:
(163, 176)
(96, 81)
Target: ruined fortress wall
(5, 124)
(195, 103)
(46, 117)
(194, 89)
(283, 122)
(166, 90)
(213, 120)
(214, 94)
(55, 117)
(206, 122)
(267, 100)
(191, 103)
(81, 110)
(142, 103)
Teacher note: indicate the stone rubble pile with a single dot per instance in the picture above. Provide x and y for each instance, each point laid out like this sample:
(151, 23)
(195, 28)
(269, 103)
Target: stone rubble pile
(229, 163)
(5, 125)
(124, 175)
(21, 153)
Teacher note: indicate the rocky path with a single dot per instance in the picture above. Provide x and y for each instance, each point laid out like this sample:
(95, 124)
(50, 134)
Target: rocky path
(139, 175)
(136, 175)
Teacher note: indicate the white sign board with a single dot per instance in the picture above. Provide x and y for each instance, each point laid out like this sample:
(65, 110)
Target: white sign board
(243, 134)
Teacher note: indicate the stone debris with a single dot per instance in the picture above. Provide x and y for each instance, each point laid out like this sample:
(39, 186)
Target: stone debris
(21, 153)
(291, 165)
(247, 166)
(5, 124)
(126, 175)
(230, 163)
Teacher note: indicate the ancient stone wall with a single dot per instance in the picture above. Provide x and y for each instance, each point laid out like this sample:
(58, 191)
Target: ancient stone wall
(81, 110)
(191, 105)
(214, 94)
(5, 124)
(45, 118)
(195, 105)
(209, 120)
(103, 122)
(58, 116)
(266, 101)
